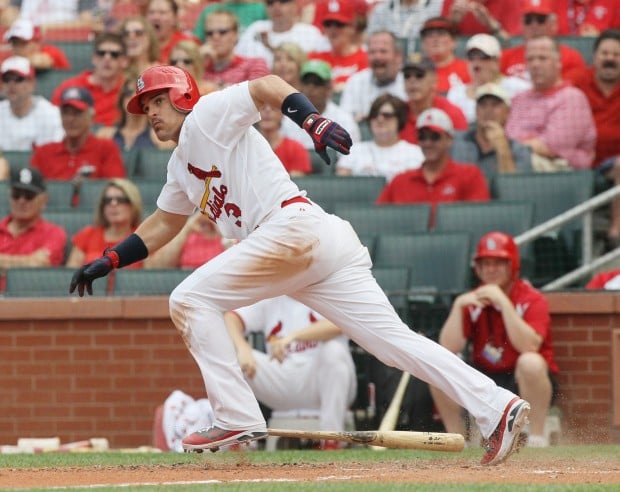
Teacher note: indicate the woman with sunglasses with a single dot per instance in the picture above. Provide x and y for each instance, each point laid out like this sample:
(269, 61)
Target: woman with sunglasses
(118, 213)
(141, 42)
(186, 55)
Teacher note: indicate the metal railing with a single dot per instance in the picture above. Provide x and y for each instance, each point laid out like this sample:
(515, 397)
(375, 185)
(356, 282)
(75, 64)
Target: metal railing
(584, 210)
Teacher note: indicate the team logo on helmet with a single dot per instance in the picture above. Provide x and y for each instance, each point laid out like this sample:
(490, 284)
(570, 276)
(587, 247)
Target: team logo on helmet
(140, 84)
(491, 244)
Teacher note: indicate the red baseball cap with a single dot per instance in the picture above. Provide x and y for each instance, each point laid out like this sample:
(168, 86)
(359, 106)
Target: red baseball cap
(336, 10)
(544, 7)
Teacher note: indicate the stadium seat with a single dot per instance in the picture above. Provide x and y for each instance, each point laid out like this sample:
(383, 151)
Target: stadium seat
(583, 44)
(319, 166)
(71, 221)
(152, 164)
(4, 198)
(385, 219)
(138, 282)
(17, 158)
(438, 262)
(43, 282)
(60, 195)
(395, 282)
(79, 53)
(90, 191)
(47, 82)
(327, 190)
(149, 190)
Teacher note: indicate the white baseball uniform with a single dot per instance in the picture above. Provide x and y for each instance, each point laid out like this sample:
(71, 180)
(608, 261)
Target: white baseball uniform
(315, 375)
(291, 246)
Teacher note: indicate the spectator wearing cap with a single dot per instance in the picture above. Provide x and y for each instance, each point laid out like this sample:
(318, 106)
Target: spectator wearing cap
(553, 118)
(439, 44)
(25, 40)
(586, 17)
(601, 85)
(539, 19)
(439, 179)
(80, 154)
(385, 58)
(26, 240)
(496, 17)
(263, 36)
(386, 154)
(487, 144)
(293, 155)
(26, 120)
(403, 17)
(316, 84)
(346, 56)
(105, 80)
(483, 52)
(223, 66)
(421, 89)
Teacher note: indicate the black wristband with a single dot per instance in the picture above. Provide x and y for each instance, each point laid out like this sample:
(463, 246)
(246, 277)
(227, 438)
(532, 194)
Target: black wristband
(298, 107)
(130, 250)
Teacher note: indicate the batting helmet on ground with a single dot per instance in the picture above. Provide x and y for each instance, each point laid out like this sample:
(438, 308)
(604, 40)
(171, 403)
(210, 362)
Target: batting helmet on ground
(182, 87)
(499, 245)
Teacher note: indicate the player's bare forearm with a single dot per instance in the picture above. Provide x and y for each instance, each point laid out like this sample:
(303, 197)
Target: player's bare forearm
(270, 90)
(159, 228)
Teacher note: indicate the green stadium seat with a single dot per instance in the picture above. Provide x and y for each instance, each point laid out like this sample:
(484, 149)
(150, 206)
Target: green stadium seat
(327, 190)
(47, 82)
(4, 198)
(17, 158)
(395, 282)
(139, 282)
(385, 219)
(149, 190)
(43, 282)
(79, 53)
(152, 164)
(60, 195)
(90, 191)
(71, 221)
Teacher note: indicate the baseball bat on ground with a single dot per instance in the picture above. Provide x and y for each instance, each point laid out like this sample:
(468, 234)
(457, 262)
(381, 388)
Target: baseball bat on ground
(430, 441)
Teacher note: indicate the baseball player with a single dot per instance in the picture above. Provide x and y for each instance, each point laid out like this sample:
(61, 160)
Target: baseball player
(308, 364)
(288, 245)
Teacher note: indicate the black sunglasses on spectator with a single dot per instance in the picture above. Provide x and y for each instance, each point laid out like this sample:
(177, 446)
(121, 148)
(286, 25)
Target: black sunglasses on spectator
(118, 199)
(477, 55)
(221, 32)
(184, 61)
(531, 18)
(113, 53)
(413, 72)
(17, 193)
(12, 77)
(384, 114)
(333, 23)
(135, 32)
(428, 135)
(271, 2)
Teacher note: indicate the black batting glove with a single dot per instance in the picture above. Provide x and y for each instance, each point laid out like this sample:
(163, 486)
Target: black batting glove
(327, 133)
(84, 276)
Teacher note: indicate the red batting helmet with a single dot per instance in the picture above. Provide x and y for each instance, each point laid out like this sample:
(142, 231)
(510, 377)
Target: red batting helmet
(182, 87)
(499, 245)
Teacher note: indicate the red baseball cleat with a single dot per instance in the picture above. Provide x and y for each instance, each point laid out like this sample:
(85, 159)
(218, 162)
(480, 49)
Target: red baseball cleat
(214, 437)
(505, 438)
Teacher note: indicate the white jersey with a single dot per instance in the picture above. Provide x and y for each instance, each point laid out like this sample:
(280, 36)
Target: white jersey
(368, 159)
(361, 89)
(224, 167)
(278, 317)
(40, 126)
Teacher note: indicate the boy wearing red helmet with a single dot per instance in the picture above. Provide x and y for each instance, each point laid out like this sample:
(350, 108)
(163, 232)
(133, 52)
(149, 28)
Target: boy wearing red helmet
(507, 324)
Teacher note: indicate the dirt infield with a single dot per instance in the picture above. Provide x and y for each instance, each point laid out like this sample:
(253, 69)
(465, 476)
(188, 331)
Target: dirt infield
(462, 471)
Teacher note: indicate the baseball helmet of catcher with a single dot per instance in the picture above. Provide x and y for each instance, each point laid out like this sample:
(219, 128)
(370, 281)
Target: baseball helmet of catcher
(183, 90)
(499, 245)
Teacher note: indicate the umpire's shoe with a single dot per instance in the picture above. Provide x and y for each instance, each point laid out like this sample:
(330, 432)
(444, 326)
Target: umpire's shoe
(505, 438)
(214, 437)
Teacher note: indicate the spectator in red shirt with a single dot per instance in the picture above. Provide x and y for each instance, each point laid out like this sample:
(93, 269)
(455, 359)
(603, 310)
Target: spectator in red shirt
(539, 19)
(609, 280)
(508, 325)
(601, 85)
(438, 40)
(118, 213)
(496, 17)
(586, 17)
(105, 81)
(346, 56)
(293, 154)
(25, 238)
(163, 15)
(80, 154)
(421, 89)
(25, 40)
(223, 66)
(440, 179)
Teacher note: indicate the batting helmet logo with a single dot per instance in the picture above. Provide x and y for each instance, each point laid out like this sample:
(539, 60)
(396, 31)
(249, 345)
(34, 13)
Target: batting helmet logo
(182, 88)
(499, 245)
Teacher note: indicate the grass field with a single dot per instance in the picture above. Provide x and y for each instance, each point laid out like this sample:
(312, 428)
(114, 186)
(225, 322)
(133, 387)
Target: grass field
(574, 468)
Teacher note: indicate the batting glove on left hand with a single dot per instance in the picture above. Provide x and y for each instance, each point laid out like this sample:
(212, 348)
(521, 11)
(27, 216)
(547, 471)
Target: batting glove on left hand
(327, 133)
(84, 276)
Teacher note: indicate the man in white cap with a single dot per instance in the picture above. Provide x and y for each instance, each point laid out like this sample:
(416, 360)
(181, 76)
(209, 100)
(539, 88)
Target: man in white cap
(26, 120)
(486, 144)
(439, 179)
(25, 40)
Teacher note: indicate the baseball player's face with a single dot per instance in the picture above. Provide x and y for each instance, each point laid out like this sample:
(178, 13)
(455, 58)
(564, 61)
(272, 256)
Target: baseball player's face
(165, 119)
(494, 271)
